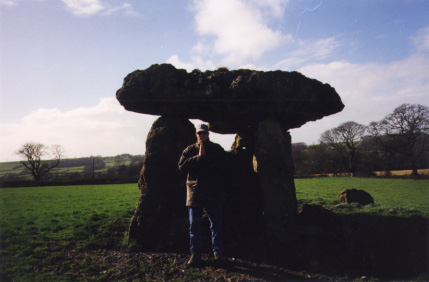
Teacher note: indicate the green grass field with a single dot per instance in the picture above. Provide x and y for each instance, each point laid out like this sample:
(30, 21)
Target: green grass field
(391, 196)
(42, 227)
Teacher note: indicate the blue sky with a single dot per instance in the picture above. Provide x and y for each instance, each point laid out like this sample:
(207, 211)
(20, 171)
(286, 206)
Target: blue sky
(61, 62)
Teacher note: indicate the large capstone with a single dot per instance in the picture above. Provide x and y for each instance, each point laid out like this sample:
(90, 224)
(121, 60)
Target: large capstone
(229, 100)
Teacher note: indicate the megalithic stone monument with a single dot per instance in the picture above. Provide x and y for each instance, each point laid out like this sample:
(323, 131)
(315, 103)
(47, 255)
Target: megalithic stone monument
(260, 107)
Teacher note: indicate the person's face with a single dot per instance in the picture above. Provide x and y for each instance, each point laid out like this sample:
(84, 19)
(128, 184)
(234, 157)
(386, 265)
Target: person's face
(202, 136)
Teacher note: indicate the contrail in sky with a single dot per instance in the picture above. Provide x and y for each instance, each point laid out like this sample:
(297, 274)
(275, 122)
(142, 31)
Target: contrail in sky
(311, 10)
(302, 13)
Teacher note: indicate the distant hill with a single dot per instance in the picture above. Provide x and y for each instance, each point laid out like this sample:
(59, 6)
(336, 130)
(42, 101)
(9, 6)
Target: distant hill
(78, 167)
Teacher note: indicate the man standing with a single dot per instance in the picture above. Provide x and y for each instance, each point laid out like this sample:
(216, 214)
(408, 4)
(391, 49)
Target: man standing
(203, 163)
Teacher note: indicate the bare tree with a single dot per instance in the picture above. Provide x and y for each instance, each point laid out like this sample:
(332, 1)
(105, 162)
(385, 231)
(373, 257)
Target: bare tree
(343, 139)
(34, 152)
(405, 131)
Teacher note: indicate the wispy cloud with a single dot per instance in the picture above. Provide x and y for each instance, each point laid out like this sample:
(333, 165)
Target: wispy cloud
(94, 7)
(8, 3)
(126, 9)
(308, 51)
(421, 40)
(85, 7)
(15, 3)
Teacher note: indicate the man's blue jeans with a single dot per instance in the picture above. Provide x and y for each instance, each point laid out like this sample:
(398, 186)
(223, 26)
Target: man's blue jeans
(215, 217)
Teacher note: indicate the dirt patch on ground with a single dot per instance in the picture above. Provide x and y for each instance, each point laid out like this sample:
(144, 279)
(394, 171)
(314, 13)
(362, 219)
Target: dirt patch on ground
(138, 266)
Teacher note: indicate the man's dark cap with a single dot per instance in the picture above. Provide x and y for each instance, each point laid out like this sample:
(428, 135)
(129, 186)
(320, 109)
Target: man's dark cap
(202, 128)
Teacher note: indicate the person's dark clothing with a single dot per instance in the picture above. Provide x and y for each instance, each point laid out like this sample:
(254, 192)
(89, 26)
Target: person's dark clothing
(195, 235)
(204, 190)
(204, 174)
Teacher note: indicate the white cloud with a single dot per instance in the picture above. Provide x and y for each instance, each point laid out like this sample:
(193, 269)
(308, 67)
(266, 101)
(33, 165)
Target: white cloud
(239, 28)
(175, 61)
(395, 81)
(93, 7)
(197, 62)
(84, 7)
(369, 91)
(104, 129)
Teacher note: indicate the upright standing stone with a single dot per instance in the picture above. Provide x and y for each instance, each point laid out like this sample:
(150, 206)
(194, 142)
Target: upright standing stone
(274, 166)
(244, 200)
(160, 219)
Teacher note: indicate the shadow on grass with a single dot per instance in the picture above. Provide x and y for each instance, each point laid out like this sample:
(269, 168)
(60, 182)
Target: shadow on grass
(350, 246)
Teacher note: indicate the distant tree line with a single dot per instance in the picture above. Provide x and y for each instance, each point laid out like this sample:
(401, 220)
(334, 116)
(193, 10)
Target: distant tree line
(88, 170)
(400, 141)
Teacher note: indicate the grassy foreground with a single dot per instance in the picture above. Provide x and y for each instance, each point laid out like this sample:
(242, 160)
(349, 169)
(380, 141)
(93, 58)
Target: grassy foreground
(40, 226)
(45, 230)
